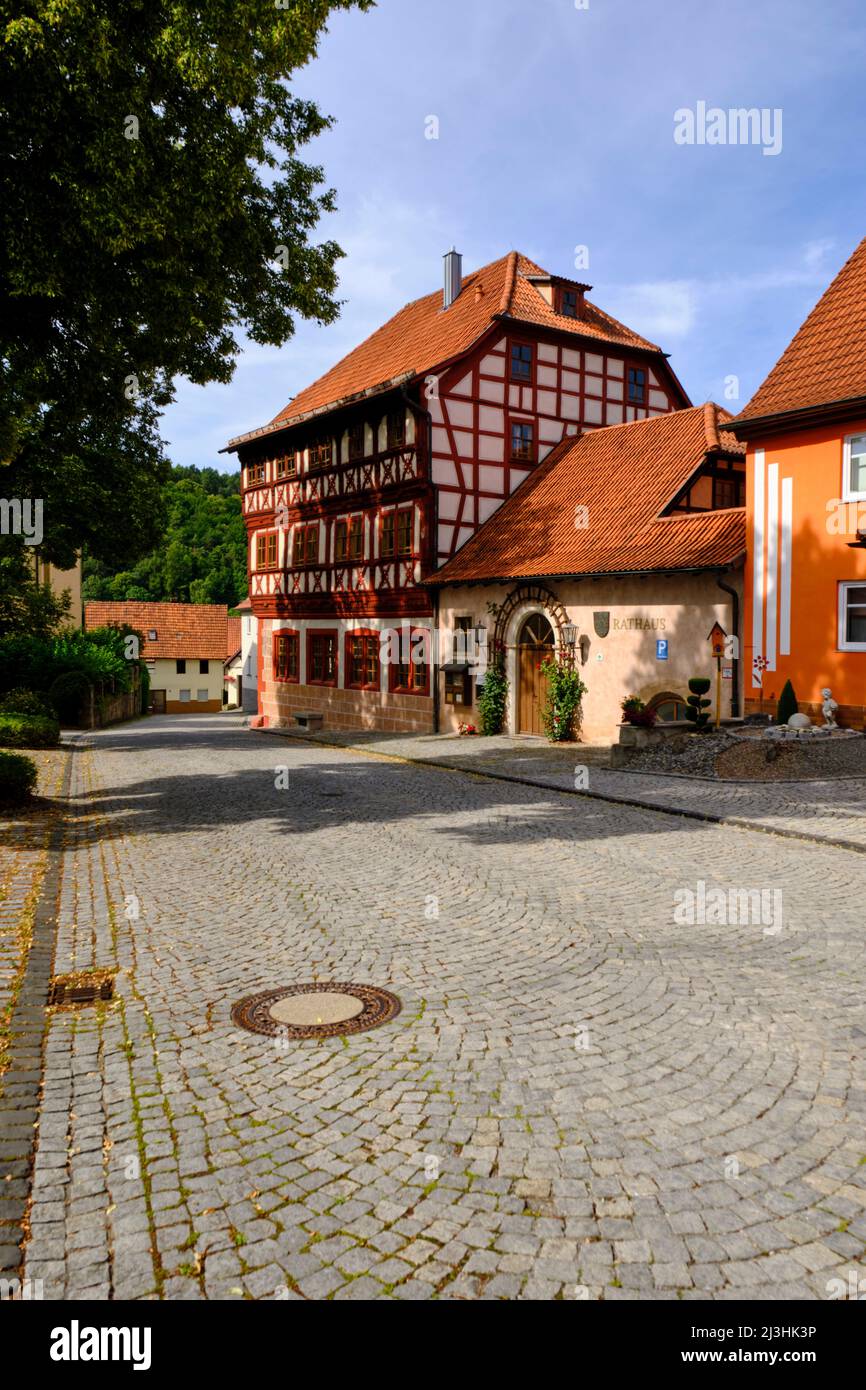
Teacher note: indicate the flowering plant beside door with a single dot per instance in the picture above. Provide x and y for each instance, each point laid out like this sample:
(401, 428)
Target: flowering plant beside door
(565, 691)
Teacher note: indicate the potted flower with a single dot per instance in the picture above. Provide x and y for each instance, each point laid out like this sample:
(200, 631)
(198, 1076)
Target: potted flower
(634, 711)
(467, 729)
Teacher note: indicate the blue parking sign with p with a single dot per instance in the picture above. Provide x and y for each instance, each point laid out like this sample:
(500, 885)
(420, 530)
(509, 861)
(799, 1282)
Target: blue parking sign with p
(661, 649)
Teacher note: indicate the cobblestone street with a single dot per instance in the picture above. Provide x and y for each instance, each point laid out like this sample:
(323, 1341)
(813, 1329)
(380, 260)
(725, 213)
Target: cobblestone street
(581, 1098)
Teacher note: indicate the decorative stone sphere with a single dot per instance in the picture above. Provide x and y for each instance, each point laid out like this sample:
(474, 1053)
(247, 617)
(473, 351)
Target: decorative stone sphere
(799, 721)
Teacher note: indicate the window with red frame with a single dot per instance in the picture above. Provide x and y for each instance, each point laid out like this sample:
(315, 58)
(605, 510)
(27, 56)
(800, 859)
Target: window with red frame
(320, 453)
(287, 656)
(349, 539)
(266, 551)
(356, 537)
(521, 361)
(306, 545)
(396, 534)
(636, 390)
(410, 673)
(287, 466)
(322, 658)
(404, 532)
(362, 660)
(255, 473)
(396, 429)
(522, 441)
(356, 441)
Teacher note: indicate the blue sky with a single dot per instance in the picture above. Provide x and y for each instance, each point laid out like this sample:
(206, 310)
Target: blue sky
(556, 130)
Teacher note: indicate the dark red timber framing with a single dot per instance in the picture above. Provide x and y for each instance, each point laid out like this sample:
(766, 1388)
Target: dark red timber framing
(430, 447)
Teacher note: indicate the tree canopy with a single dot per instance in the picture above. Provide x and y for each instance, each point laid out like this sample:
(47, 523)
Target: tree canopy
(152, 207)
(199, 558)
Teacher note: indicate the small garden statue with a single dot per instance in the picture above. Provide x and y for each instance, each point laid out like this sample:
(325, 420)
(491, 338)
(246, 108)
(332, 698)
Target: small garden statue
(828, 709)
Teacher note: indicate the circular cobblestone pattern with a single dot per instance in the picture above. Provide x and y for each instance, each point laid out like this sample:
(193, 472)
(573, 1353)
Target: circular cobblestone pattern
(316, 1010)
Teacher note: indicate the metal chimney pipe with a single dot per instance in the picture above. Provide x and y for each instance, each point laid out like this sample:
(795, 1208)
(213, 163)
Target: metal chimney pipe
(453, 277)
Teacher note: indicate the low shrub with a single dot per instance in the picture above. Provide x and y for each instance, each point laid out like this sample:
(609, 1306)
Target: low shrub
(787, 704)
(17, 778)
(26, 702)
(492, 700)
(28, 731)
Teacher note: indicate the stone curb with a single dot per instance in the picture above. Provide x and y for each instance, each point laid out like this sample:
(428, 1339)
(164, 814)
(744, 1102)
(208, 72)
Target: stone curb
(22, 1081)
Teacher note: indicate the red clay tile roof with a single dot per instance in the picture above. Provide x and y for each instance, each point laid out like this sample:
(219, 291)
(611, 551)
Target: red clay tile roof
(195, 630)
(625, 475)
(423, 335)
(826, 359)
(233, 637)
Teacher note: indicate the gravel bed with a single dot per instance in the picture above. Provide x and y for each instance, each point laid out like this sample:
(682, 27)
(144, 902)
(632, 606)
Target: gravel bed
(729, 757)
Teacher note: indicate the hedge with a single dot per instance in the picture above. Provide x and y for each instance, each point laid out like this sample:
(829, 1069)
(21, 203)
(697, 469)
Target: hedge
(26, 702)
(28, 731)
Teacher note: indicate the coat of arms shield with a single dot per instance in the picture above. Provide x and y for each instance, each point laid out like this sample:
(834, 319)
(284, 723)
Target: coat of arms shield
(601, 623)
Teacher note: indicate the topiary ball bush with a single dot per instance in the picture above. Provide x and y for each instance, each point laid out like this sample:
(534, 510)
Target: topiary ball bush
(17, 778)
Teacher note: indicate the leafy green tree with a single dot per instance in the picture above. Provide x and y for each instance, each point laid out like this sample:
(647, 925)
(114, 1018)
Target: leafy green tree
(152, 207)
(201, 554)
(26, 606)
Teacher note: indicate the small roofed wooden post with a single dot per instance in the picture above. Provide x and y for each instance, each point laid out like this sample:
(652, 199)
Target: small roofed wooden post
(717, 638)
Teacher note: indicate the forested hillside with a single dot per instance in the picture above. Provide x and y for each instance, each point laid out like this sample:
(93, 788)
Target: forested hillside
(202, 555)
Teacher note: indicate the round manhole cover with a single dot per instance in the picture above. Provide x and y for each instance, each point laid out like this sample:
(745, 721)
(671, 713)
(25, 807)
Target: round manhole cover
(316, 1010)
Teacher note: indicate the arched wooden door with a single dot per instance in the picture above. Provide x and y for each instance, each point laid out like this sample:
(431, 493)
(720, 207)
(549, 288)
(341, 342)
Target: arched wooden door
(534, 645)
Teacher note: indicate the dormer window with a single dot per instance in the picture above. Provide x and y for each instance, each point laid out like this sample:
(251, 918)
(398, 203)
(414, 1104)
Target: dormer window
(636, 386)
(729, 492)
(569, 304)
(521, 362)
(151, 636)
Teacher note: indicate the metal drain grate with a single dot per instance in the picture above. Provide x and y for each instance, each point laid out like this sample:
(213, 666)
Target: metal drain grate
(291, 1012)
(80, 988)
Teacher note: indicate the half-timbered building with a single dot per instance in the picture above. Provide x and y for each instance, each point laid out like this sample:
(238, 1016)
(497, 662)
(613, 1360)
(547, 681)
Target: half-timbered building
(379, 472)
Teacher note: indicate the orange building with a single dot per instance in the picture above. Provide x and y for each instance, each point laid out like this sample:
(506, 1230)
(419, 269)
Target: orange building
(805, 578)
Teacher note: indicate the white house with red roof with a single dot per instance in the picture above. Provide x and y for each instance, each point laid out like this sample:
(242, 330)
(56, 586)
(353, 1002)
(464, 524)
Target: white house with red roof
(184, 646)
(383, 469)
